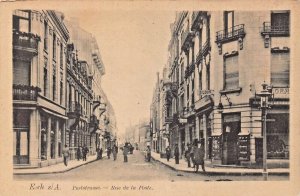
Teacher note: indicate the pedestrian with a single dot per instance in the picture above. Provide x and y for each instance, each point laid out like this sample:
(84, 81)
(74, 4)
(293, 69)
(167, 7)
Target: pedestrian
(100, 153)
(66, 155)
(108, 152)
(85, 150)
(148, 153)
(125, 152)
(176, 154)
(115, 151)
(188, 155)
(79, 153)
(199, 156)
(168, 153)
(193, 147)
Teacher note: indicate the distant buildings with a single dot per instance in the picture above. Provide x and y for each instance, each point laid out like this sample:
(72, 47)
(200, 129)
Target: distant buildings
(218, 61)
(57, 93)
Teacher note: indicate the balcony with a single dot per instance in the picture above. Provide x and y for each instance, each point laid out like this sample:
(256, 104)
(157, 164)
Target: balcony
(189, 70)
(25, 92)
(196, 20)
(275, 30)
(94, 123)
(25, 44)
(74, 110)
(186, 39)
(231, 34)
(203, 51)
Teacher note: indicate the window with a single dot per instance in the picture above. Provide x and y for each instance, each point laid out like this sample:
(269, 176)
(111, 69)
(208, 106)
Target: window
(193, 92)
(200, 78)
(54, 46)
(45, 36)
(188, 94)
(208, 77)
(280, 21)
(45, 78)
(54, 88)
(280, 69)
(182, 72)
(21, 23)
(61, 55)
(61, 90)
(231, 75)
(228, 21)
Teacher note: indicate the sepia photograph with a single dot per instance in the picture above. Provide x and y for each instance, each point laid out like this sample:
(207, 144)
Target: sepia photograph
(149, 95)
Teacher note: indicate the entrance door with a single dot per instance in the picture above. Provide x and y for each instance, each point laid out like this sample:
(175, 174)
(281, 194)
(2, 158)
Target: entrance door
(231, 129)
(21, 146)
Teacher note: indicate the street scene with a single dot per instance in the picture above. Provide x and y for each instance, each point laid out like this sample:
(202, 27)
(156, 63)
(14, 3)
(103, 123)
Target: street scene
(158, 95)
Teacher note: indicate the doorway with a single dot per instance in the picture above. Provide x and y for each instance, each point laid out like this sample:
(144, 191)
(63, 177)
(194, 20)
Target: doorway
(231, 129)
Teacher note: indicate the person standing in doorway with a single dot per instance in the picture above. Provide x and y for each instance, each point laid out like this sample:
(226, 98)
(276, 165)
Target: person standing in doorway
(176, 154)
(66, 154)
(168, 153)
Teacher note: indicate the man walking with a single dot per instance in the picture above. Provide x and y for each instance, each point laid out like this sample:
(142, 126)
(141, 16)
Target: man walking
(85, 150)
(66, 154)
(148, 151)
(125, 152)
(168, 153)
(108, 152)
(188, 154)
(115, 151)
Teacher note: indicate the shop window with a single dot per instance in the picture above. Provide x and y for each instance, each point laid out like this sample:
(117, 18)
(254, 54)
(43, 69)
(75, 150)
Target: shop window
(231, 69)
(44, 127)
(278, 136)
(280, 69)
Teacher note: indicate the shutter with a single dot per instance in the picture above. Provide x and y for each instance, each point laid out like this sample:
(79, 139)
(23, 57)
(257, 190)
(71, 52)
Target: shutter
(280, 69)
(231, 73)
(21, 73)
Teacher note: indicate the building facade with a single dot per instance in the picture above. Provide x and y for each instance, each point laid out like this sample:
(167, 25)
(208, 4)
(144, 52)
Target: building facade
(218, 61)
(53, 94)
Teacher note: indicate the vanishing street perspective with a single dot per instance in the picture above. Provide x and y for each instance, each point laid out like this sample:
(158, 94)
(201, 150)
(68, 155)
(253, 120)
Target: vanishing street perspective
(88, 106)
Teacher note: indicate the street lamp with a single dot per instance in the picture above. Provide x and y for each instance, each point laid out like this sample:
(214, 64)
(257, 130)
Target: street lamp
(265, 95)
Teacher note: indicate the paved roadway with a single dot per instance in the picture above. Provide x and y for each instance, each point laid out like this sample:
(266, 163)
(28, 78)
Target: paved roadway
(135, 169)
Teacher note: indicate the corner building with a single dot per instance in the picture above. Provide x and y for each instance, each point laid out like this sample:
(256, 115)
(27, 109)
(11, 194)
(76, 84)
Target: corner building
(218, 61)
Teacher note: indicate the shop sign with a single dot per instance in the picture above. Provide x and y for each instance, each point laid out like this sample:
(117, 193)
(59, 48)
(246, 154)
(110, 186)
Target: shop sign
(206, 92)
(281, 92)
(182, 120)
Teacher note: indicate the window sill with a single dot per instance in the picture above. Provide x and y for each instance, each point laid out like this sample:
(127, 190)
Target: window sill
(228, 91)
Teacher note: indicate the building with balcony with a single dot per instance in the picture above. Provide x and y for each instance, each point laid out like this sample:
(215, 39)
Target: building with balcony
(39, 75)
(218, 61)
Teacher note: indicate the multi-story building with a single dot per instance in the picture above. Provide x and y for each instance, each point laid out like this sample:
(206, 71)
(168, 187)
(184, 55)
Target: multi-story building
(39, 80)
(55, 69)
(218, 61)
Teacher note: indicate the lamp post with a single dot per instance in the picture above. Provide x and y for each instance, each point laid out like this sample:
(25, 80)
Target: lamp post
(265, 95)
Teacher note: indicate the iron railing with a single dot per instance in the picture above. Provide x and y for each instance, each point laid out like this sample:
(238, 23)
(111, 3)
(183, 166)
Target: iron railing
(25, 40)
(283, 29)
(25, 92)
(230, 34)
(75, 107)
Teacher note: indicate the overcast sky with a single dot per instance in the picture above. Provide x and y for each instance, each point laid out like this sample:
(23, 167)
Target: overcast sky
(133, 46)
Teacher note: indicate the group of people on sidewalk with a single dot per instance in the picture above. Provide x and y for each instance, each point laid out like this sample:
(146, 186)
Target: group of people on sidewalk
(194, 154)
(81, 153)
(109, 150)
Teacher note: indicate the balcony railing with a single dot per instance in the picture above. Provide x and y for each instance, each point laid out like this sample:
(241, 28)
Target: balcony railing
(195, 20)
(230, 34)
(275, 30)
(189, 70)
(203, 51)
(75, 108)
(25, 92)
(186, 38)
(26, 41)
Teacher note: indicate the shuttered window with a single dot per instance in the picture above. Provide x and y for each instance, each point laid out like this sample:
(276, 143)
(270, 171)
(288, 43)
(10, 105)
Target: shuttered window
(21, 73)
(280, 69)
(231, 75)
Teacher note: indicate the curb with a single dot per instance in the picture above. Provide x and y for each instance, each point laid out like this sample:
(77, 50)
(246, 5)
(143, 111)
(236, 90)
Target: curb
(216, 173)
(56, 172)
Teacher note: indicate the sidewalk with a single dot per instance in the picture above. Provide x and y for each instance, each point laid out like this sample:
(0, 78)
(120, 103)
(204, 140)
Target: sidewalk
(182, 166)
(57, 168)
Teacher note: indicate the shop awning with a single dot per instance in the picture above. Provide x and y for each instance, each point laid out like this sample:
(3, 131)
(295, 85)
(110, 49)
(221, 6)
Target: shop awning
(53, 113)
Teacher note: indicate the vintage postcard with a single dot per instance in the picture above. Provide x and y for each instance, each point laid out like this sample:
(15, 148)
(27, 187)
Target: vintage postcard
(149, 98)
